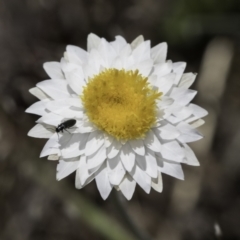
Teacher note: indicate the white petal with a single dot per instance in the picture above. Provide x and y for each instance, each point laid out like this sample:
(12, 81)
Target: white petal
(127, 157)
(38, 108)
(83, 141)
(128, 62)
(159, 53)
(172, 169)
(86, 127)
(182, 113)
(93, 41)
(84, 175)
(91, 177)
(117, 63)
(188, 134)
(182, 96)
(125, 53)
(187, 80)
(164, 102)
(102, 181)
(141, 162)
(53, 157)
(152, 142)
(165, 83)
(172, 119)
(152, 79)
(74, 102)
(51, 147)
(51, 119)
(53, 69)
(163, 69)
(151, 162)
(178, 68)
(65, 168)
(127, 186)
(70, 103)
(197, 123)
(75, 79)
(40, 131)
(172, 151)
(157, 183)
(141, 178)
(68, 66)
(97, 158)
(71, 149)
(107, 52)
(108, 140)
(197, 112)
(78, 183)
(169, 132)
(94, 64)
(55, 105)
(141, 52)
(69, 113)
(72, 58)
(137, 41)
(119, 44)
(190, 158)
(116, 171)
(114, 149)
(143, 67)
(94, 142)
(79, 52)
(138, 146)
(38, 93)
(172, 109)
(55, 88)
(157, 124)
(83, 170)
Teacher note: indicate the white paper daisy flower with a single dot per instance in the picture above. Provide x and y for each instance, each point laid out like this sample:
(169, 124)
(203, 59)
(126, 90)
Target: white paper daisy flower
(132, 111)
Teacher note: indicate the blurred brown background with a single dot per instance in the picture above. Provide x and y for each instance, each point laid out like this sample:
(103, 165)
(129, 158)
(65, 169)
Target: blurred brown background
(205, 34)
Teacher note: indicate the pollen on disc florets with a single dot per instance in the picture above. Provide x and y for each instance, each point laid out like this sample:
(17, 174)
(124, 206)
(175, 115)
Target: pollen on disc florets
(120, 103)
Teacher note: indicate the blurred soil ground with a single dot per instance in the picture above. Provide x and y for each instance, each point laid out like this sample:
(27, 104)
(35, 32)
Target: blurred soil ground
(33, 32)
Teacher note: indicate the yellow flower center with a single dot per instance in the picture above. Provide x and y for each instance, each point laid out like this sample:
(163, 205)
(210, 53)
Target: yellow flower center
(120, 103)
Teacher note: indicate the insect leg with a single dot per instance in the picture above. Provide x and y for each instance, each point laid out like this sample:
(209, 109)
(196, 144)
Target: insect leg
(67, 131)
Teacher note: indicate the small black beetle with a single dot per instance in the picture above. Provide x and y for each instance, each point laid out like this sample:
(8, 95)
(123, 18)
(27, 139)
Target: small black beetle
(64, 125)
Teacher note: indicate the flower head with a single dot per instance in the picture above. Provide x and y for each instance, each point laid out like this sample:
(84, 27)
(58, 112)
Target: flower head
(132, 112)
